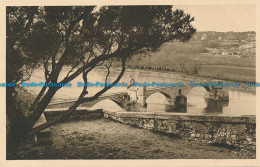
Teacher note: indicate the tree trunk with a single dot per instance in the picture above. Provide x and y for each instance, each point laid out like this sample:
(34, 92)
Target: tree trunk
(17, 134)
(42, 105)
(21, 126)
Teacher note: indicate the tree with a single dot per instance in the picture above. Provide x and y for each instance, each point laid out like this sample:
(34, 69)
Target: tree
(82, 37)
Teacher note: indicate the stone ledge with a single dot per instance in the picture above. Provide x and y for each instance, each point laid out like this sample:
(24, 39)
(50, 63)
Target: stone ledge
(206, 118)
(166, 116)
(185, 117)
(80, 114)
(109, 112)
(238, 131)
(79, 109)
(134, 115)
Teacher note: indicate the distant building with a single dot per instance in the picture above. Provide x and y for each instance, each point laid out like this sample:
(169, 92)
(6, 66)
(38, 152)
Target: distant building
(250, 36)
(215, 51)
(236, 56)
(224, 53)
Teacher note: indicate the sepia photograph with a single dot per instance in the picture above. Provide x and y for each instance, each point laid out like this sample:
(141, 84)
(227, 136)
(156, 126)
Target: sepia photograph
(130, 82)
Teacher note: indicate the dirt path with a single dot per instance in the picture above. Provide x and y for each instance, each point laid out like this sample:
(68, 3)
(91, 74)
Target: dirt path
(104, 139)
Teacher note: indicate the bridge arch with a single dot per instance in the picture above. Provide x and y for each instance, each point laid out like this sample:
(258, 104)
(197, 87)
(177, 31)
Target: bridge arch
(171, 92)
(168, 92)
(167, 96)
(189, 88)
(106, 103)
(118, 99)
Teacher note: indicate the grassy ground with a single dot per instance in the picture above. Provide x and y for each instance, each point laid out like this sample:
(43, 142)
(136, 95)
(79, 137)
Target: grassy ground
(104, 139)
(233, 73)
(185, 57)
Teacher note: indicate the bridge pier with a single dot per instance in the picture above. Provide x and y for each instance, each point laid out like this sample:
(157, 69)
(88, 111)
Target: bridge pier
(171, 94)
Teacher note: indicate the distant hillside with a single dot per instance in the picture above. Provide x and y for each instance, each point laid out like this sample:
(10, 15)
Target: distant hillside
(213, 35)
(218, 49)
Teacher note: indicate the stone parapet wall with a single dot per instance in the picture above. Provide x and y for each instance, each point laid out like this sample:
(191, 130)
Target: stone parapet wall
(79, 114)
(237, 131)
(62, 104)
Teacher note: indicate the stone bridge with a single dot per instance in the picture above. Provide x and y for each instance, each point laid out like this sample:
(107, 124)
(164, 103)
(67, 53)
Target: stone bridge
(169, 92)
(118, 98)
(137, 95)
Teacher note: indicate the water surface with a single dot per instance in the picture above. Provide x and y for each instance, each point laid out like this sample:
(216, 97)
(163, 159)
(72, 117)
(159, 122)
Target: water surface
(241, 101)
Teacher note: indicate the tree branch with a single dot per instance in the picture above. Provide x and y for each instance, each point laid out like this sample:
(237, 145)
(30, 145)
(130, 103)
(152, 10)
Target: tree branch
(61, 62)
(108, 87)
(80, 100)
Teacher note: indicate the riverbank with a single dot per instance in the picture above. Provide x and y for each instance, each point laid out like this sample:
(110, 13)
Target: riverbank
(194, 58)
(229, 73)
(104, 139)
(195, 77)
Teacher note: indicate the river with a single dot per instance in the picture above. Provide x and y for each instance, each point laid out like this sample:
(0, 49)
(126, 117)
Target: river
(241, 101)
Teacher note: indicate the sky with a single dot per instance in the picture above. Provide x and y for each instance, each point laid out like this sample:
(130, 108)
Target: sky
(222, 18)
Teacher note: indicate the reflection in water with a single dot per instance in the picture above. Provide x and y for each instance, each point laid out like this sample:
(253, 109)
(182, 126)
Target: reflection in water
(180, 103)
(240, 103)
(215, 106)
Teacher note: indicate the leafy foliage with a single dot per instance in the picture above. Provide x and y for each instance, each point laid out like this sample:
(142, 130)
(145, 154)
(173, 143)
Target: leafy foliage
(83, 37)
